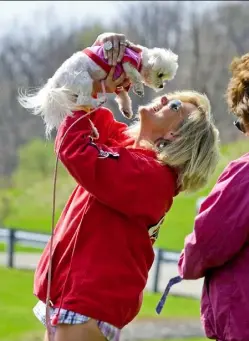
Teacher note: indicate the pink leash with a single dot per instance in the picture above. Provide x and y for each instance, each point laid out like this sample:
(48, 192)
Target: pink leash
(55, 319)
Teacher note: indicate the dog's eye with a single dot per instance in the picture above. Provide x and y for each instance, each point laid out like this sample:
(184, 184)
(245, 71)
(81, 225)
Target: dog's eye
(160, 75)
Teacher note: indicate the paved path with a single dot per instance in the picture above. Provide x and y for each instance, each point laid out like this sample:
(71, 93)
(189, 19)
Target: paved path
(162, 329)
(188, 288)
(146, 330)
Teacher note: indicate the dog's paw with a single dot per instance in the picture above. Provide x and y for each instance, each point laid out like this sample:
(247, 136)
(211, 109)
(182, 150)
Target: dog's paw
(127, 113)
(138, 89)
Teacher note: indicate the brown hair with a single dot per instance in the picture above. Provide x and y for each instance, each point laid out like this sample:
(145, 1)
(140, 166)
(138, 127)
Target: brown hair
(237, 94)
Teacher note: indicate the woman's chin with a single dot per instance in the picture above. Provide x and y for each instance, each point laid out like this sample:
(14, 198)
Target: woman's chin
(144, 112)
(142, 109)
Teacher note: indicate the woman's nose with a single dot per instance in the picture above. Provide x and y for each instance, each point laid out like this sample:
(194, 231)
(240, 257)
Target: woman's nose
(164, 100)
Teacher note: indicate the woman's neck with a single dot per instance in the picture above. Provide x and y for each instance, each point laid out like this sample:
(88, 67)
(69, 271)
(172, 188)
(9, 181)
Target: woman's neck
(141, 139)
(143, 142)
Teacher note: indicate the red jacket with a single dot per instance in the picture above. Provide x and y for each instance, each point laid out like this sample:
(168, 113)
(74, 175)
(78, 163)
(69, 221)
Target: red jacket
(124, 193)
(218, 249)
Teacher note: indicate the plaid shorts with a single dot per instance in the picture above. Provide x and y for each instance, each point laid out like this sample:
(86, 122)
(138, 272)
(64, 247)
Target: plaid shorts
(110, 332)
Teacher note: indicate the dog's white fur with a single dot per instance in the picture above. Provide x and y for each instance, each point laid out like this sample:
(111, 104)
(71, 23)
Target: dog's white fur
(75, 76)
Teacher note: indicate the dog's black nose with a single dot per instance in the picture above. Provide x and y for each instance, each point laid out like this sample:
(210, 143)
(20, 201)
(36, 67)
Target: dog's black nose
(161, 86)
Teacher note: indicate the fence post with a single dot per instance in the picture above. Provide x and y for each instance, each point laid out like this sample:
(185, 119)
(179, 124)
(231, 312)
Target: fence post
(157, 270)
(10, 248)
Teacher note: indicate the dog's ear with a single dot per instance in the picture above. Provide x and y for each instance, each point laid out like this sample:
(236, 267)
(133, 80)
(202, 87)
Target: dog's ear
(153, 56)
(152, 61)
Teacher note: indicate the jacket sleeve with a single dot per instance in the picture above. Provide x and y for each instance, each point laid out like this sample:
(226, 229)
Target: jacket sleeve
(118, 177)
(221, 227)
(103, 120)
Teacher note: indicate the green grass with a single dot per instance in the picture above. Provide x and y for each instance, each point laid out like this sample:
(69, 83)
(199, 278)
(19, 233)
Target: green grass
(175, 307)
(31, 202)
(192, 339)
(20, 248)
(16, 302)
(35, 214)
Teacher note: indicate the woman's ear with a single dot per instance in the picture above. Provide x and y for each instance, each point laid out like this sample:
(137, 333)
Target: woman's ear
(169, 136)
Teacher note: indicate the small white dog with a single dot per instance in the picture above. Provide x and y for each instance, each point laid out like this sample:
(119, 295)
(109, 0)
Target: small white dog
(71, 85)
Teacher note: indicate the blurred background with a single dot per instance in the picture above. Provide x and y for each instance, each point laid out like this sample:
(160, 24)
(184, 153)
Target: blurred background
(35, 38)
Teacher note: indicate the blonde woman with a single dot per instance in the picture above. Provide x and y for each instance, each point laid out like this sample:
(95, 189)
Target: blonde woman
(127, 179)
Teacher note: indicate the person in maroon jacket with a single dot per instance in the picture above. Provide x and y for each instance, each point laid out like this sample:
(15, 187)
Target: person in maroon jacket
(126, 182)
(218, 247)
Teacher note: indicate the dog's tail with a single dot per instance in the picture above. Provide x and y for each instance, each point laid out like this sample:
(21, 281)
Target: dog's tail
(51, 103)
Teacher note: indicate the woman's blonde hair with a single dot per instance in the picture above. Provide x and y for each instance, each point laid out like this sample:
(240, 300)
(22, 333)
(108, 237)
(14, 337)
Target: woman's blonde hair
(195, 150)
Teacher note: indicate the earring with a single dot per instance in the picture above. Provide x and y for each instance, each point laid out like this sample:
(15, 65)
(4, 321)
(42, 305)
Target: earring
(162, 143)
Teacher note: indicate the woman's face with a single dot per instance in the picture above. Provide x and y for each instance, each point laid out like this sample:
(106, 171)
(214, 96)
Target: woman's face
(161, 119)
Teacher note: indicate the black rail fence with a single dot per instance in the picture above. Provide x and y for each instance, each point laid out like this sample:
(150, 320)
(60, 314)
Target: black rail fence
(12, 237)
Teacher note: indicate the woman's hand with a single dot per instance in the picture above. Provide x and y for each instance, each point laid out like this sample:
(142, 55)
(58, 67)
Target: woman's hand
(119, 43)
(111, 85)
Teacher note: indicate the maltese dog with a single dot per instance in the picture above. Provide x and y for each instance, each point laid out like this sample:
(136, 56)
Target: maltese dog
(72, 84)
